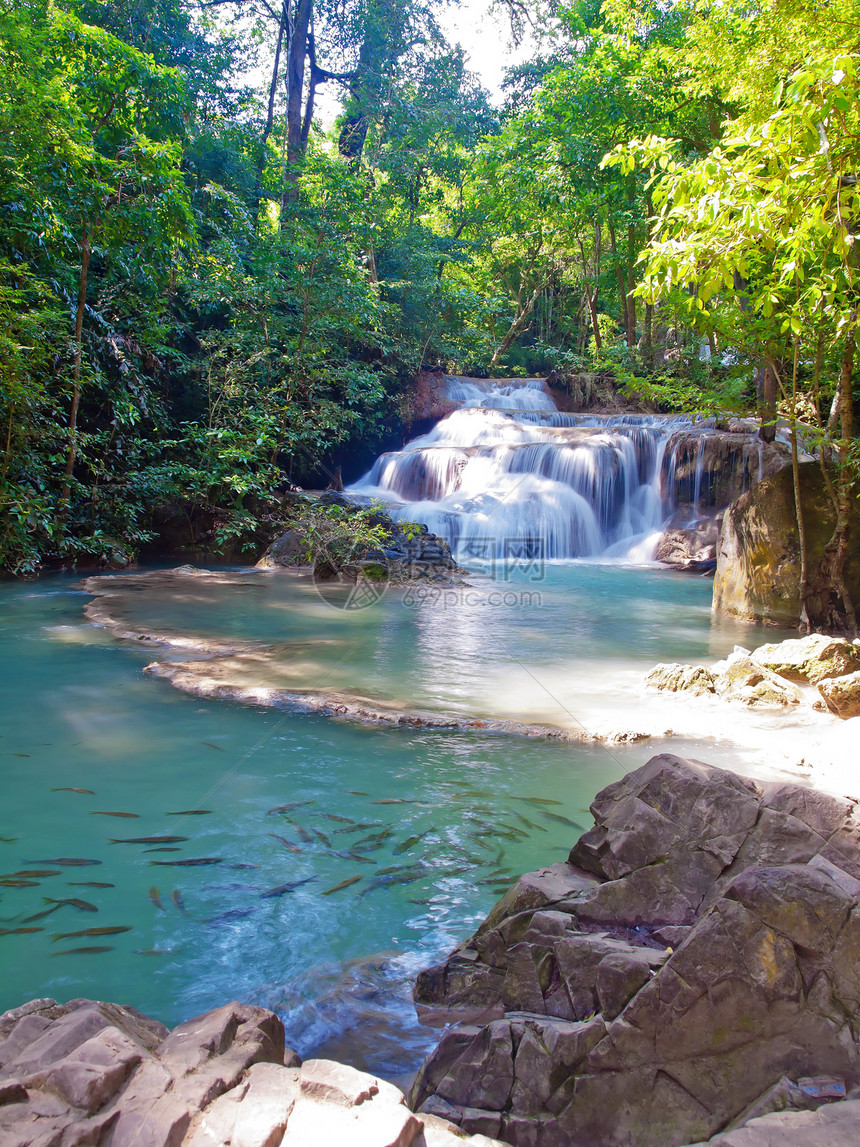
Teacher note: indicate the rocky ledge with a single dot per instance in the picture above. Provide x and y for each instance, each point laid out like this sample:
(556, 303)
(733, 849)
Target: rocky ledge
(763, 678)
(88, 1074)
(692, 970)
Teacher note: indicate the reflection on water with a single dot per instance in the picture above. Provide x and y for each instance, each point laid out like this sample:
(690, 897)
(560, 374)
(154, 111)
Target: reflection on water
(434, 825)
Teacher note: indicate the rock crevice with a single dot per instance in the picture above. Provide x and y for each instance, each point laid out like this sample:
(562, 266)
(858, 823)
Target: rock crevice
(699, 946)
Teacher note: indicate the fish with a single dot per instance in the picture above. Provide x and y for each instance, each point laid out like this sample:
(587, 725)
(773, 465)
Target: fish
(352, 856)
(37, 873)
(359, 827)
(561, 819)
(394, 800)
(130, 815)
(402, 869)
(91, 950)
(148, 839)
(371, 847)
(14, 754)
(286, 843)
(89, 792)
(19, 883)
(498, 880)
(110, 931)
(8, 839)
(145, 952)
(356, 793)
(529, 823)
(342, 819)
(343, 884)
(287, 807)
(244, 865)
(209, 745)
(40, 915)
(191, 812)
(304, 836)
(18, 931)
(231, 914)
(178, 902)
(196, 862)
(154, 897)
(66, 861)
(478, 840)
(166, 848)
(89, 884)
(322, 836)
(288, 887)
(537, 800)
(405, 845)
(71, 902)
(392, 878)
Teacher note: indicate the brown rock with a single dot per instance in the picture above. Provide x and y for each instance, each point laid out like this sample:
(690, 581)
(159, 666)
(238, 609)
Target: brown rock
(758, 562)
(741, 678)
(842, 695)
(677, 678)
(756, 890)
(813, 658)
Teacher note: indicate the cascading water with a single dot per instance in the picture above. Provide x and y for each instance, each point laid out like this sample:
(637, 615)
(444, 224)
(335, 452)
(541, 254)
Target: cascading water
(507, 474)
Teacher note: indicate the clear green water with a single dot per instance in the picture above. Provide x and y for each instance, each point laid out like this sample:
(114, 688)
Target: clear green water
(77, 712)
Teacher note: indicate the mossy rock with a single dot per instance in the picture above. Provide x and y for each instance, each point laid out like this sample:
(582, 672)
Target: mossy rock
(758, 555)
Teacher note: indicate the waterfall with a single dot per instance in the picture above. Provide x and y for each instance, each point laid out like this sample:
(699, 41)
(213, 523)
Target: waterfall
(507, 474)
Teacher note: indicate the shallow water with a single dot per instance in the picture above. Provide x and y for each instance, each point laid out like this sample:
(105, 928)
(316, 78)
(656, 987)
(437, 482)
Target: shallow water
(77, 712)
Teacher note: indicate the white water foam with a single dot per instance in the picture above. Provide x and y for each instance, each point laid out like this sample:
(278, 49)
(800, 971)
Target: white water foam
(507, 473)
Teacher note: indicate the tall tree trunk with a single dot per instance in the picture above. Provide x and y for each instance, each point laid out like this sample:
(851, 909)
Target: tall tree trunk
(631, 286)
(622, 287)
(76, 371)
(296, 53)
(270, 112)
(798, 503)
(831, 606)
(521, 318)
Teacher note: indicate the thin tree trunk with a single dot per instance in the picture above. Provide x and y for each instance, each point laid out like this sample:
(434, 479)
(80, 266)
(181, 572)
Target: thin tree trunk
(298, 47)
(76, 370)
(622, 289)
(836, 608)
(517, 326)
(631, 286)
(648, 338)
(270, 113)
(798, 503)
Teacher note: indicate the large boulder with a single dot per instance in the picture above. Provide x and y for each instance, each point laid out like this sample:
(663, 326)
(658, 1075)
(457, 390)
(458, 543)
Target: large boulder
(741, 677)
(699, 948)
(813, 658)
(707, 470)
(842, 694)
(677, 678)
(89, 1074)
(689, 546)
(758, 557)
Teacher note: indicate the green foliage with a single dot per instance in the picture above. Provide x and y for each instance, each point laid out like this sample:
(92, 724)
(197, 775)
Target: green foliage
(194, 313)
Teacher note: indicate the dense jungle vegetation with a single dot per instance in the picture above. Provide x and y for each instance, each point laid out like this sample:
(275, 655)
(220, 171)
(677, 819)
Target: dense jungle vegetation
(204, 294)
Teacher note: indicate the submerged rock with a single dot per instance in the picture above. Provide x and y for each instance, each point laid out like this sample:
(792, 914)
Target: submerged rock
(700, 945)
(97, 1073)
